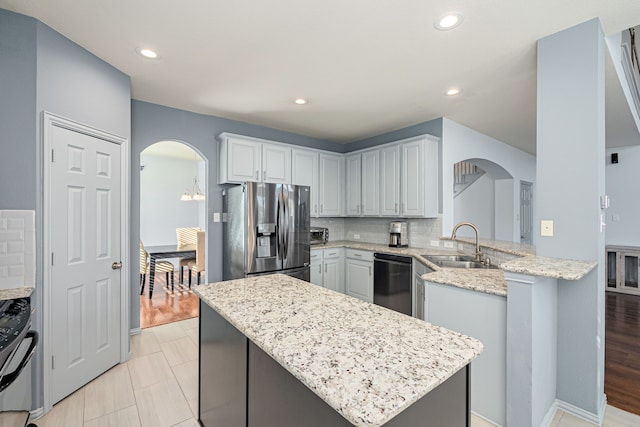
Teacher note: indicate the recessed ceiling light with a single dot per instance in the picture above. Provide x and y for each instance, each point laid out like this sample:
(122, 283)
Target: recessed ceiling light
(448, 21)
(301, 101)
(147, 53)
(453, 91)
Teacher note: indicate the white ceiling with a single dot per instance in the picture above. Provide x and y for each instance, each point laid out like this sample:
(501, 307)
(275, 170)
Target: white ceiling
(172, 149)
(367, 66)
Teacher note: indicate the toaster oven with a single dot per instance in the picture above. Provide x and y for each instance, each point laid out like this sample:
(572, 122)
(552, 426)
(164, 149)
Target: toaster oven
(318, 235)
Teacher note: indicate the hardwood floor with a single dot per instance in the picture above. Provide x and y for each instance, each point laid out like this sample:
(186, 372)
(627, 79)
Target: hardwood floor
(622, 351)
(165, 307)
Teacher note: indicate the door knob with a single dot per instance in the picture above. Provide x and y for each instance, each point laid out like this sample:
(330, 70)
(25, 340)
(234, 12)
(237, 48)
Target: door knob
(116, 265)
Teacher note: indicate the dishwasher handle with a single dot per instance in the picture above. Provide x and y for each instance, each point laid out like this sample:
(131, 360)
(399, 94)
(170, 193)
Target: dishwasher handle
(395, 258)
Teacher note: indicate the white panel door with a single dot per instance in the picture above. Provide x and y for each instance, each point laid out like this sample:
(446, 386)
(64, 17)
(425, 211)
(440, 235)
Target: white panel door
(354, 185)
(371, 183)
(244, 160)
(304, 171)
(276, 164)
(85, 241)
(412, 182)
(390, 181)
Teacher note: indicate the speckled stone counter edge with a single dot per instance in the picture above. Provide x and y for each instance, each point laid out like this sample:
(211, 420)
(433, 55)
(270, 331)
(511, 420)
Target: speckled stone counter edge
(13, 293)
(528, 263)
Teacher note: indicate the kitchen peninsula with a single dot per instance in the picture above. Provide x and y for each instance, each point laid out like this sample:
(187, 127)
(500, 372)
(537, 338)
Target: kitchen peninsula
(277, 351)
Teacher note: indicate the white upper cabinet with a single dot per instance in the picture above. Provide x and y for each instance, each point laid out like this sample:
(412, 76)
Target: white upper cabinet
(304, 171)
(419, 178)
(390, 181)
(276, 164)
(370, 205)
(251, 159)
(354, 185)
(331, 196)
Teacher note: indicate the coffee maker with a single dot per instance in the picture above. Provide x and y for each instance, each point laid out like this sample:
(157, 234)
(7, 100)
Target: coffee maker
(398, 234)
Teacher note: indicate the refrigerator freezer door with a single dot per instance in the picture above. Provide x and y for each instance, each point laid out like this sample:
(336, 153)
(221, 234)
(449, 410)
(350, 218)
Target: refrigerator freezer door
(296, 223)
(261, 251)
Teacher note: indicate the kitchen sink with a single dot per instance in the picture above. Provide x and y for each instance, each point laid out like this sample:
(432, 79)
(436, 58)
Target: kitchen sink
(456, 261)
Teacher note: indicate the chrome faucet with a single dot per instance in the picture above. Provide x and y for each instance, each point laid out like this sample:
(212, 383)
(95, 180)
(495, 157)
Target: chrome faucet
(479, 254)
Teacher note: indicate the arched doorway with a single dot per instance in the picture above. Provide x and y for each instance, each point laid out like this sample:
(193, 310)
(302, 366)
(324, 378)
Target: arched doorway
(173, 179)
(485, 194)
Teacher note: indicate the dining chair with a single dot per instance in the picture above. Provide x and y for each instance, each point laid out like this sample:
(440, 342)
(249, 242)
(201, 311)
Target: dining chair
(186, 236)
(161, 267)
(198, 266)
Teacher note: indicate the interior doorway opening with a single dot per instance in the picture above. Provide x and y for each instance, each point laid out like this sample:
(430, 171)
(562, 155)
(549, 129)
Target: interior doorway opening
(173, 200)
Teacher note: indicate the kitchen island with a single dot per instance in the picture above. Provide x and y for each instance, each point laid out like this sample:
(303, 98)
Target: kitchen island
(277, 351)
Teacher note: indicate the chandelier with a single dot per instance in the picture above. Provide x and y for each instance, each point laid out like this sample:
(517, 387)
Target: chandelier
(195, 193)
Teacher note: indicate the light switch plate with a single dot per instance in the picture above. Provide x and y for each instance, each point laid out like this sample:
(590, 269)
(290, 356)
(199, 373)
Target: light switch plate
(356, 237)
(435, 243)
(448, 245)
(216, 217)
(546, 228)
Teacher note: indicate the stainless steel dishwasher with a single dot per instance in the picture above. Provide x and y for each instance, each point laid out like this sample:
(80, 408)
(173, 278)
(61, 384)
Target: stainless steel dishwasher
(392, 282)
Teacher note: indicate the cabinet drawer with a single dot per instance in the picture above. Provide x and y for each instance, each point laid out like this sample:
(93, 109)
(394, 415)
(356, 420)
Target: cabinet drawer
(316, 255)
(332, 253)
(359, 254)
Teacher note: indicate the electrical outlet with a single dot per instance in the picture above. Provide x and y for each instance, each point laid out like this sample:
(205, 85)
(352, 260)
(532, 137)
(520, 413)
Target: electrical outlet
(356, 237)
(546, 228)
(448, 245)
(435, 243)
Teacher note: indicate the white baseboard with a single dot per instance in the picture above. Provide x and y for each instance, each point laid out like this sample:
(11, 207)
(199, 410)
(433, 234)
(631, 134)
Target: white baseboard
(135, 331)
(548, 418)
(36, 413)
(487, 420)
(595, 419)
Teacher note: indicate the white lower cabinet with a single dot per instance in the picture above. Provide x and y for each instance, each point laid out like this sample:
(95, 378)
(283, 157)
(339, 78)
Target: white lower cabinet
(327, 268)
(482, 316)
(359, 274)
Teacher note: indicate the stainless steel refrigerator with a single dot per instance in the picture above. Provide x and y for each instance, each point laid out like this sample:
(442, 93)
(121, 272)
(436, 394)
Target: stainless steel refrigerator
(266, 230)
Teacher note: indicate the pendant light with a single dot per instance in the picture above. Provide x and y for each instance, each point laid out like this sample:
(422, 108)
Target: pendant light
(195, 193)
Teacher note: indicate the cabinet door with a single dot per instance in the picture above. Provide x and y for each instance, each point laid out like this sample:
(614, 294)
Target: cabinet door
(419, 288)
(317, 272)
(331, 185)
(629, 273)
(371, 183)
(304, 171)
(333, 274)
(359, 279)
(412, 182)
(354, 185)
(276, 164)
(244, 160)
(390, 181)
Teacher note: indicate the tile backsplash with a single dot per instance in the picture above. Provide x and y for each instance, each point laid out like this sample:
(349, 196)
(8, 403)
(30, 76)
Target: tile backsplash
(17, 249)
(422, 232)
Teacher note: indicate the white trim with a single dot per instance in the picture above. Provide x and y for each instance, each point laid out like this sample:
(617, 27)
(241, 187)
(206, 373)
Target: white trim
(595, 419)
(49, 121)
(548, 418)
(135, 331)
(486, 420)
(36, 413)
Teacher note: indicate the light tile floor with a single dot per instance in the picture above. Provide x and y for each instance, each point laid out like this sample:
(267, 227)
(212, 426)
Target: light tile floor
(158, 387)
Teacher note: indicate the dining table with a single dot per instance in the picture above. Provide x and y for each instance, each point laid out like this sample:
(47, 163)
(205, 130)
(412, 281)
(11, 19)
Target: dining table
(165, 252)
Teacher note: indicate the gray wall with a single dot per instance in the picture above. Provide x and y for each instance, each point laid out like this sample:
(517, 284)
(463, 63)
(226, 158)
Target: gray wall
(17, 111)
(152, 123)
(42, 70)
(570, 179)
(432, 127)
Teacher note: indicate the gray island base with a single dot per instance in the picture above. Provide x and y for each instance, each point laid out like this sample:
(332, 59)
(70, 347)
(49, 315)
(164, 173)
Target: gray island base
(279, 352)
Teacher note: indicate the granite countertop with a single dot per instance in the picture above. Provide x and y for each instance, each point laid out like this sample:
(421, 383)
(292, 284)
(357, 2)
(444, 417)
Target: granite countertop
(558, 268)
(13, 293)
(367, 362)
(489, 281)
